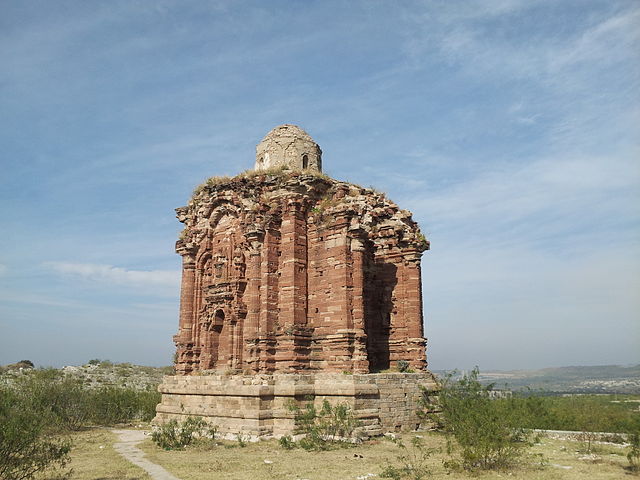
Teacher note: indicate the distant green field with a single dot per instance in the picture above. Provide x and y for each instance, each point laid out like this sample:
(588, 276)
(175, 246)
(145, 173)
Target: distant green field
(594, 413)
(582, 379)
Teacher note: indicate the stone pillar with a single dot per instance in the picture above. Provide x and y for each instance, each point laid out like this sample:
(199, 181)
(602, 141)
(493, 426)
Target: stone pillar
(413, 312)
(253, 310)
(360, 360)
(269, 293)
(187, 297)
(184, 338)
(292, 301)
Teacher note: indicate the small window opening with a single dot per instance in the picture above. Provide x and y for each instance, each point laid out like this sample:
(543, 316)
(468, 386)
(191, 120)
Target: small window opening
(305, 162)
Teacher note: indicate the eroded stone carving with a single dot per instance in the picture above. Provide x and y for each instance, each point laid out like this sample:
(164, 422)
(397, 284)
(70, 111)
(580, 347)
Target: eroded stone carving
(292, 271)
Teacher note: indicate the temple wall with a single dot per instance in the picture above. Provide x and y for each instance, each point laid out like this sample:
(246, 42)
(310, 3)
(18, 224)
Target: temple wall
(256, 406)
(288, 275)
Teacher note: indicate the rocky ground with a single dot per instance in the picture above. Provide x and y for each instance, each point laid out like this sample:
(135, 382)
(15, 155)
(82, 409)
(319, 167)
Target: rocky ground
(103, 373)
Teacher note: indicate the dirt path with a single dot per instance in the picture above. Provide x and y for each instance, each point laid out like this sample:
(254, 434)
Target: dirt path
(127, 448)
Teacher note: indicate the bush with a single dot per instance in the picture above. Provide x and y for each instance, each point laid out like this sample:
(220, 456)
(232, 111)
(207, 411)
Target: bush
(111, 405)
(175, 435)
(325, 429)
(287, 442)
(634, 453)
(413, 461)
(489, 432)
(64, 399)
(73, 406)
(27, 444)
(403, 365)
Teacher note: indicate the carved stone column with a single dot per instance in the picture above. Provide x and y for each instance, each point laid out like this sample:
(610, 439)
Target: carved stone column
(184, 338)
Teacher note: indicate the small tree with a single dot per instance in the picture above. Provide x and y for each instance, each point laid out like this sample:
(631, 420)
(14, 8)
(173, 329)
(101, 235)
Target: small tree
(488, 431)
(27, 442)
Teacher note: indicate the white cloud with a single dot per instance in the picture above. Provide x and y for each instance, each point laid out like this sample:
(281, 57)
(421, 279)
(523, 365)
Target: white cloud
(118, 275)
(570, 189)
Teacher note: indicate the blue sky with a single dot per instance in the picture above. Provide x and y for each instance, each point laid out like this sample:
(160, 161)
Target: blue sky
(509, 127)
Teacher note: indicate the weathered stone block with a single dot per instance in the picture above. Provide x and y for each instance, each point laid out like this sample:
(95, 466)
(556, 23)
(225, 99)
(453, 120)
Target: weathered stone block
(264, 412)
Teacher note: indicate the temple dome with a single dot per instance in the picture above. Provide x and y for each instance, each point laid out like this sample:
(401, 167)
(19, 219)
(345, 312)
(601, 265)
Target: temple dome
(287, 130)
(288, 146)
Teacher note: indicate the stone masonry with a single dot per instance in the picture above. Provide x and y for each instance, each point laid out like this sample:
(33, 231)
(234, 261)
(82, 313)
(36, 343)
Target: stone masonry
(291, 280)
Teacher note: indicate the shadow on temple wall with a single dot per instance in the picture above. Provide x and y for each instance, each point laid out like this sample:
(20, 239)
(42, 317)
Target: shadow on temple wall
(380, 280)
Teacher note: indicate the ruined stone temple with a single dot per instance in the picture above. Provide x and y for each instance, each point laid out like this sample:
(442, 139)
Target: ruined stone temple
(294, 285)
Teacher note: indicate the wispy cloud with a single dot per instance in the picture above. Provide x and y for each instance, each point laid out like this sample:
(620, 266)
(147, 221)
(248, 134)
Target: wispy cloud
(571, 201)
(117, 275)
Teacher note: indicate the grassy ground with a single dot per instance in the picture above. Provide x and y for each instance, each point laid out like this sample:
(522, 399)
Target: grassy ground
(93, 458)
(230, 461)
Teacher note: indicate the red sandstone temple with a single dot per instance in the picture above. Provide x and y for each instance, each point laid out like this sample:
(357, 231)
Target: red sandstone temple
(287, 270)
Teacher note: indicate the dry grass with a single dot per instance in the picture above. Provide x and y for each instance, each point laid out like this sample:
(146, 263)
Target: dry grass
(248, 463)
(93, 458)
(230, 461)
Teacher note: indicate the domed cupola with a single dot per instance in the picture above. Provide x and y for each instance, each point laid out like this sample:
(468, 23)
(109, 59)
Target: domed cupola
(288, 146)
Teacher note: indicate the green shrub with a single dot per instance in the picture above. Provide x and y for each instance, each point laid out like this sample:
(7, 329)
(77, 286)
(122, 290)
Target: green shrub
(65, 400)
(175, 435)
(330, 427)
(634, 452)
(72, 405)
(489, 432)
(287, 442)
(242, 440)
(412, 460)
(403, 365)
(28, 444)
(113, 405)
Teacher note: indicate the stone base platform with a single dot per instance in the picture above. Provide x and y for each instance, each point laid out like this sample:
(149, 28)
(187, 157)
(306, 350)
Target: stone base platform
(257, 406)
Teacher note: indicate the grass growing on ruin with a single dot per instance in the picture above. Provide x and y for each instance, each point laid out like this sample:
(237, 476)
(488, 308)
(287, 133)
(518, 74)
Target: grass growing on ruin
(281, 171)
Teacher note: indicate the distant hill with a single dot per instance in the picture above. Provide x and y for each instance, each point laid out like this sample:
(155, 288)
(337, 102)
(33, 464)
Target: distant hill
(592, 379)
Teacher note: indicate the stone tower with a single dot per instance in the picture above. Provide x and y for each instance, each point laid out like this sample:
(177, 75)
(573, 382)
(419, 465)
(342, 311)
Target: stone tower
(288, 146)
(289, 280)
